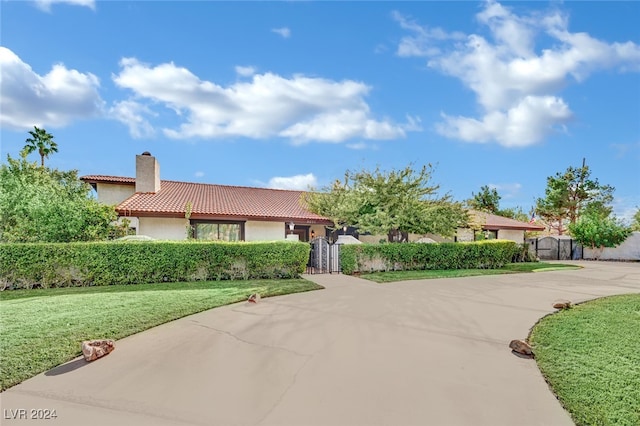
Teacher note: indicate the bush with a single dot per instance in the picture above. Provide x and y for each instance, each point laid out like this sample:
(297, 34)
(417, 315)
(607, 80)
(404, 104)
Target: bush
(105, 263)
(489, 254)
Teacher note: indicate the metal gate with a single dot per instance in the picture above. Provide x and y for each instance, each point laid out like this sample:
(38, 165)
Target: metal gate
(555, 248)
(324, 257)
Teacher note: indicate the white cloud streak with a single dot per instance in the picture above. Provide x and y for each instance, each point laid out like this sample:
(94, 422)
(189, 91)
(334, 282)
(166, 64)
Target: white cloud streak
(54, 99)
(284, 32)
(245, 71)
(297, 182)
(45, 5)
(299, 108)
(516, 86)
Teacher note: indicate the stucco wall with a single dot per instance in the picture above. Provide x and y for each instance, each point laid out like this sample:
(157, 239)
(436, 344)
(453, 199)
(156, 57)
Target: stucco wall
(629, 250)
(264, 231)
(111, 194)
(162, 228)
(511, 234)
(464, 234)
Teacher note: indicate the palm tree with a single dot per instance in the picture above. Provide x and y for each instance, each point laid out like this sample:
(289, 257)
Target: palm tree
(42, 142)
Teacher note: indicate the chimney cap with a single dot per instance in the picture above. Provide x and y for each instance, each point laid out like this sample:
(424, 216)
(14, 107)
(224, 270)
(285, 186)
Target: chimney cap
(146, 153)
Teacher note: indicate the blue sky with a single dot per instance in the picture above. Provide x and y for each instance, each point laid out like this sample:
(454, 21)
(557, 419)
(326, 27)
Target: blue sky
(291, 94)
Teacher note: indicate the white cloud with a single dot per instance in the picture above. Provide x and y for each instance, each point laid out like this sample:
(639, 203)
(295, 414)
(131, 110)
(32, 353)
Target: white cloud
(199, 174)
(268, 105)
(516, 86)
(54, 99)
(298, 182)
(526, 123)
(46, 4)
(133, 114)
(507, 190)
(284, 32)
(245, 71)
(357, 146)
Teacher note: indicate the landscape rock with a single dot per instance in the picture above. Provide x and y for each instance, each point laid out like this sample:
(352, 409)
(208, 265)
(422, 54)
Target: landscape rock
(521, 347)
(254, 298)
(562, 304)
(94, 349)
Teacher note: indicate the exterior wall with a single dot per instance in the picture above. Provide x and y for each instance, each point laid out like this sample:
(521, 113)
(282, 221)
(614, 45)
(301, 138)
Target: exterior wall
(318, 230)
(111, 194)
(628, 250)
(264, 231)
(163, 228)
(464, 234)
(511, 234)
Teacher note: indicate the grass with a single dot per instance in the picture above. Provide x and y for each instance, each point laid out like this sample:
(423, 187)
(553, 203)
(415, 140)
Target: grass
(44, 328)
(590, 355)
(512, 268)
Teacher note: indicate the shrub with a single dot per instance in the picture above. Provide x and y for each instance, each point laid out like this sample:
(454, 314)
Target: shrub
(106, 263)
(487, 254)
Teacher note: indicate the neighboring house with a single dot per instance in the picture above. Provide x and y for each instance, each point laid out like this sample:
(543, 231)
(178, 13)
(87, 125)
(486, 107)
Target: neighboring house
(498, 227)
(158, 208)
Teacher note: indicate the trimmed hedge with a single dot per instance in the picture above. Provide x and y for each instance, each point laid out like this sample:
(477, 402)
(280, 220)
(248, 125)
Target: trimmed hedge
(105, 263)
(488, 254)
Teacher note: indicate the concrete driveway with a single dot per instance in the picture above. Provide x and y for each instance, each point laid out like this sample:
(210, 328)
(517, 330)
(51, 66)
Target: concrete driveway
(430, 352)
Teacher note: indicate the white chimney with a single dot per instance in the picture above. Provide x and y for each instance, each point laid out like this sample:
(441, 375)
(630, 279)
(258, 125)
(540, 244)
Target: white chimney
(147, 173)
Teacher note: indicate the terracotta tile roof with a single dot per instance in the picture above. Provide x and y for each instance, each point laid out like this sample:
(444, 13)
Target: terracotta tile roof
(108, 179)
(493, 222)
(218, 201)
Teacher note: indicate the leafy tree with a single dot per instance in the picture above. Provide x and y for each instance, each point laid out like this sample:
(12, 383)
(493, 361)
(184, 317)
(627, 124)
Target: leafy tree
(515, 213)
(42, 142)
(38, 204)
(570, 194)
(635, 222)
(593, 231)
(393, 203)
(487, 200)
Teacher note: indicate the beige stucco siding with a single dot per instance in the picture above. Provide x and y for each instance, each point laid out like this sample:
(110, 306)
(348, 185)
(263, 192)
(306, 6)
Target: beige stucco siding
(263, 231)
(162, 228)
(112, 194)
(511, 234)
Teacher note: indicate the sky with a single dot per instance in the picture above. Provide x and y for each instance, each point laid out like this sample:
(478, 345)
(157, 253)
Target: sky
(292, 94)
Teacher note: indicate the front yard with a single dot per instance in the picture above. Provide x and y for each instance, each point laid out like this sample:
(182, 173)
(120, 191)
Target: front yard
(44, 328)
(590, 355)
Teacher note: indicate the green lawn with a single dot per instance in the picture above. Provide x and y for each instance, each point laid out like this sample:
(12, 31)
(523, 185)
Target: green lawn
(44, 328)
(590, 355)
(512, 268)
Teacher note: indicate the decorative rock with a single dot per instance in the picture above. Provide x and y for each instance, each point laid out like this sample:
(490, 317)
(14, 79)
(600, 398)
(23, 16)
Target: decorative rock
(254, 298)
(521, 347)
(94, 349)
(562, 304)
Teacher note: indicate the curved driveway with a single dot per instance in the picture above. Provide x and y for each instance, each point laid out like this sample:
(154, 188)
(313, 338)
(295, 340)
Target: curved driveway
(357, 353)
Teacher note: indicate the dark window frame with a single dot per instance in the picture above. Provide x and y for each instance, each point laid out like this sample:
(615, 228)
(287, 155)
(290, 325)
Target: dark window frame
(194, 223)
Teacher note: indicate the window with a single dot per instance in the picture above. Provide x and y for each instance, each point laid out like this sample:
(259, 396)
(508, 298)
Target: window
(218, 230)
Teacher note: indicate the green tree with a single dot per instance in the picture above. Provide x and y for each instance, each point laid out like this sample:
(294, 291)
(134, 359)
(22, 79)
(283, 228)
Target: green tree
(591, 230)
(393, 203)
(42, 142)
(635, 222)
(570, 194)
(487, 200)
(38, 204)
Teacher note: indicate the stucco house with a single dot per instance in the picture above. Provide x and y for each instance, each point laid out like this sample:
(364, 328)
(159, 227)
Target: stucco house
(165, 209)
(499, 227)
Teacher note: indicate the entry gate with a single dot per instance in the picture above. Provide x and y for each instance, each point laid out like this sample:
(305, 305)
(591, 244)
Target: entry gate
(324, 257)
(554, 248)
